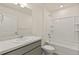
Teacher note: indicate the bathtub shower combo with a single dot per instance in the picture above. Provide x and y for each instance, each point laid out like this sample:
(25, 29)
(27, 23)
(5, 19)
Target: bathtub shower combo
(64, 35)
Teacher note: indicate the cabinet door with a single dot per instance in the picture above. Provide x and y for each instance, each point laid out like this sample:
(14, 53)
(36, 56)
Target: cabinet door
(36, 51)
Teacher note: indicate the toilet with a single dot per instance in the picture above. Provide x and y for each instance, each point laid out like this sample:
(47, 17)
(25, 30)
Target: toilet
(48, 49)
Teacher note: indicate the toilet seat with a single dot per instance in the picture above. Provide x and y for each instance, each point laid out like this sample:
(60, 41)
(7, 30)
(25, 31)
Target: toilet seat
(48, 48)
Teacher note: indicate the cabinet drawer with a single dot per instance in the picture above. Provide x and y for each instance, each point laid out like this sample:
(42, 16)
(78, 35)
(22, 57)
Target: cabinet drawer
(36, 51)
(24, 49)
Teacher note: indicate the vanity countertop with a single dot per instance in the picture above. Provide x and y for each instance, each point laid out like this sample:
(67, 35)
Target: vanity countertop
(9, 45)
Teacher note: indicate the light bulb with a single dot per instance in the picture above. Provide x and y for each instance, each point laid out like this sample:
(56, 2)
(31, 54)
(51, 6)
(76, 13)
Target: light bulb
(22, 5)
(15, 3)
(61, 6)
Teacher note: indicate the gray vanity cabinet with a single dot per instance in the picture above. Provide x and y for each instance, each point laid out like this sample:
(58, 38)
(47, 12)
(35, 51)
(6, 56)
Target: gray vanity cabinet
(30, 49)
(36, 51)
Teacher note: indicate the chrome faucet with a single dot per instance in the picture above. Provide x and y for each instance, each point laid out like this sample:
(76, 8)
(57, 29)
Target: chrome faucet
(18, 36)
(16, 33)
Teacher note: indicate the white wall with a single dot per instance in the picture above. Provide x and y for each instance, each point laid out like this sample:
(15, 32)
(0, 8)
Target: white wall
(50, 16)
(46, 19)
(24, 21)
(65, 12)
(25, 24)
(37, 16)
(40, 18)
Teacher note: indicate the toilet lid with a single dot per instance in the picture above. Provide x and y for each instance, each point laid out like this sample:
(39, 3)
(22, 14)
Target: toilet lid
(48, 47)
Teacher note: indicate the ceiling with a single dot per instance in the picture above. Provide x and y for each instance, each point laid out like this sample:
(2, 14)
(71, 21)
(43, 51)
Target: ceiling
(49, 6)
(17, 7)
(54, 6)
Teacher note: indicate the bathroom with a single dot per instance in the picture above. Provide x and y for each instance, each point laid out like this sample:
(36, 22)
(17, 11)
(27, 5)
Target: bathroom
(39, 29)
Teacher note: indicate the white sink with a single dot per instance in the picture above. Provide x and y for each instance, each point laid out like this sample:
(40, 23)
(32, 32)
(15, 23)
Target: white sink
(18, 40)
(25, 39)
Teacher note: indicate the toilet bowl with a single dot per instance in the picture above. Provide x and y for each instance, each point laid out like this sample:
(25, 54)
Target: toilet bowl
(48, 49)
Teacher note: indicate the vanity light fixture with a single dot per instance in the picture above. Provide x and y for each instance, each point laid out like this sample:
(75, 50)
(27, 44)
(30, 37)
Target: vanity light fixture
(61, 5)
(15, 3)
(22, 4)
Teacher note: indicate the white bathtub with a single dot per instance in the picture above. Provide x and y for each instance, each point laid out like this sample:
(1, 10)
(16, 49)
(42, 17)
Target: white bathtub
(63, 49)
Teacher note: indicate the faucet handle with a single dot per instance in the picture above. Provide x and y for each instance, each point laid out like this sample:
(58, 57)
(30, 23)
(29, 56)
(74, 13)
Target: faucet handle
(48, 34)
(16, 33)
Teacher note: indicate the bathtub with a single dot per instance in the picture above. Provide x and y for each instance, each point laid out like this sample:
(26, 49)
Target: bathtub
(63, 49)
